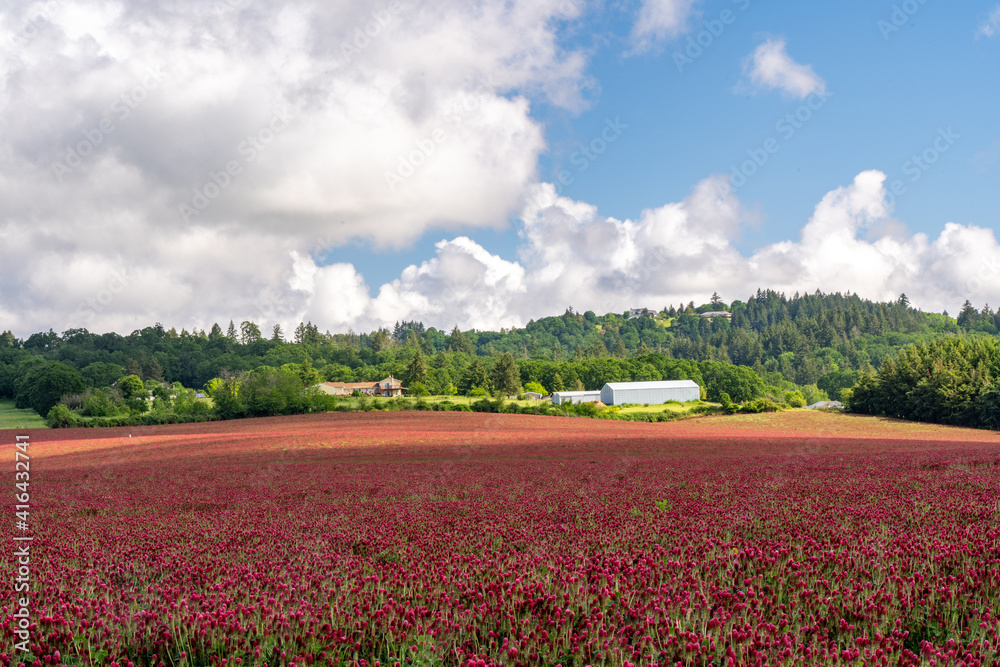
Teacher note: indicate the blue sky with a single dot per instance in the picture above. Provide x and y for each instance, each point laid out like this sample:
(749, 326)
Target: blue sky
(485, 163)
(893, 87)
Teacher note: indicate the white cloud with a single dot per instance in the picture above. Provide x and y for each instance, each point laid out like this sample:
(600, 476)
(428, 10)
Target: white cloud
(281, 127)
(991, 25)
(571, 256)
(771, 68)
(163, 97)
(659, 20)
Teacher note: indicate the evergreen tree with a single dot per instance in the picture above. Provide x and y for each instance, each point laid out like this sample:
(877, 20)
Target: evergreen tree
(968, 316)
(459, 342)
(417, 370)
(231, 331)
(412, 339)
(474, 376)
(505, 376)
(277, 335)
(557, 382)
(381, 340)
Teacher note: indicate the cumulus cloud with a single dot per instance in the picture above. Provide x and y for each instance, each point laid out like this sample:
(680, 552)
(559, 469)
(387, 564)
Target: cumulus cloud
(771, 68)
(572, 256)
(288, 129)
(659, 20)
(991, 25)
(205, 142)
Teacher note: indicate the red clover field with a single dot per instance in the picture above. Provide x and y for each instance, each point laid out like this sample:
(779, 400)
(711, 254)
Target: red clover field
(475, 540)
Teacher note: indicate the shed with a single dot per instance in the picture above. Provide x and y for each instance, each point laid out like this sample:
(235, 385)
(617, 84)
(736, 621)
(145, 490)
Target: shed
(532, 396)
(568, 397)
(656, 393)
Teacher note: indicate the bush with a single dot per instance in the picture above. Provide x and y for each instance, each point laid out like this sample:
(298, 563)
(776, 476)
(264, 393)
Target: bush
(60, 417)
(535, 387)
(586, 409)
(486, 405)
(795, 399)
(759, 405)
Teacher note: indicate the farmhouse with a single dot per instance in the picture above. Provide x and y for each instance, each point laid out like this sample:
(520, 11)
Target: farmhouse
(656, 393)
(568, 397)
(389, 387)
(347, 388)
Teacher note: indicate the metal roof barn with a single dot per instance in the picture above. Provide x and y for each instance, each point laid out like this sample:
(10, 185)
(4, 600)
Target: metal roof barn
(654, 393)
(568, 397)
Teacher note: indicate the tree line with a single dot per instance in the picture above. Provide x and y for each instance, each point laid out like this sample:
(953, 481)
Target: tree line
(814, 344)
(945, 381)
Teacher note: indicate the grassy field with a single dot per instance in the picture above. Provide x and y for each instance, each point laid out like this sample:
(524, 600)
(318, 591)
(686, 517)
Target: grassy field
(11, 417)
(667, 407)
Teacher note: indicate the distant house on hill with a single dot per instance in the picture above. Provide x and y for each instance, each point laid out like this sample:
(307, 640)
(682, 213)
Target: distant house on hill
(718, 313)
(640, 312)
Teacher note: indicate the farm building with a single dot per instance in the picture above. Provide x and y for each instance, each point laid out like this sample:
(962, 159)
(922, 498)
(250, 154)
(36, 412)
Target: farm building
(347, 388)
(560, 397)
(389, 387)
(616, 393)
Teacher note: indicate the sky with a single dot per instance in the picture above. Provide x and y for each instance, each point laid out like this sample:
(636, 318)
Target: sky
(483, 163)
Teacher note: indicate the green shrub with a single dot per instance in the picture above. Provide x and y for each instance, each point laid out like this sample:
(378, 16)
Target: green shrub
(795, 399)
(759, 405)
(60, 417)
(535, 387)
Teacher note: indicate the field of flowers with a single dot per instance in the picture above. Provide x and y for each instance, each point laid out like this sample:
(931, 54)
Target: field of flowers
(394, 539)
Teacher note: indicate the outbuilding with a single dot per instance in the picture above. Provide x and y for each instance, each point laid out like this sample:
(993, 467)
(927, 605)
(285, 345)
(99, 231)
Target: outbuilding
(569, 397)
(654, 393)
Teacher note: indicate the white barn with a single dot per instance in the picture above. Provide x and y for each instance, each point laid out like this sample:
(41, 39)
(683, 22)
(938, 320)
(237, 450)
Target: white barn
(568, 397)
(655, 393)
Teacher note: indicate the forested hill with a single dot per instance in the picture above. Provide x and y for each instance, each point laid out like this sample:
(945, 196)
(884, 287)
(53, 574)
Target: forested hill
(806, 338)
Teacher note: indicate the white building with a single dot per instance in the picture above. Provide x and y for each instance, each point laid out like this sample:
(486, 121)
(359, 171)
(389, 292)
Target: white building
(654, 393)
(568, 397)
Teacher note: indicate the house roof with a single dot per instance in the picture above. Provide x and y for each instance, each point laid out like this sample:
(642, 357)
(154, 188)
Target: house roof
(349, 385)
(663, 384)
(826, 404)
